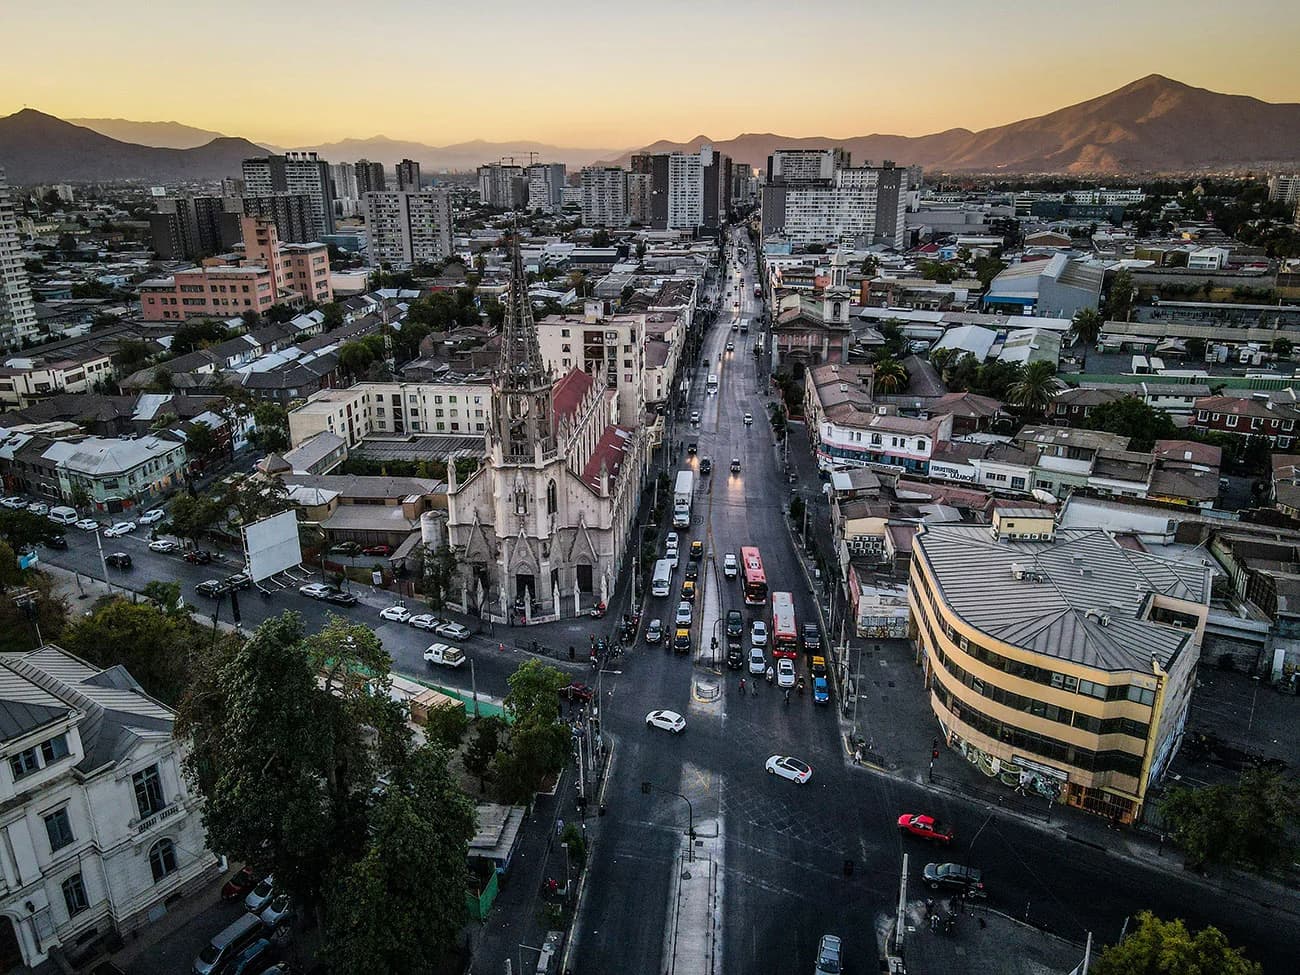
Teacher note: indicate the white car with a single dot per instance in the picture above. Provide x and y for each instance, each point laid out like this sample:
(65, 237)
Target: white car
(758, 634)
(314, 590)
(152, 517)
(395, 614)
(260, 896)
(163, 545)
(695, 418)
(730, 567)
(789, 768)
(425, 621)
(749, 419)
(119, 528)
(784, 673)
(670, 554)
(757, 662)
(14, 503)
(667, 720)
(453, 631)
(684, 614)
(88, 525)
(39, 508)
(671, 540)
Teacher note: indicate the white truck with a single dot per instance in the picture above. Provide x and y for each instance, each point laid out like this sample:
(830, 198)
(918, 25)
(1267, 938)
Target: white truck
(682, 494)
(444, 654)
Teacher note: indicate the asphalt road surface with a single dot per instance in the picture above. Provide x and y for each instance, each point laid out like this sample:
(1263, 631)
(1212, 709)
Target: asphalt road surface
(785, 846)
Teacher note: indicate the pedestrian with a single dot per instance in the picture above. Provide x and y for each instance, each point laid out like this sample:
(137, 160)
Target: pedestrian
(753, 688)
(787, 697)
(857, 755)
(742, 686)
(559, 826)
(571, 652)
(501, 648)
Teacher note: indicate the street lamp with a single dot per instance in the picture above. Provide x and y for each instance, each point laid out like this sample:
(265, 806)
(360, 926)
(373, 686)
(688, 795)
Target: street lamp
(648, 787)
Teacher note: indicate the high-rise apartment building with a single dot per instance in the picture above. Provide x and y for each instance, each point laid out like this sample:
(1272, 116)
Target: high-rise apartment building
(741, 183)
(717, 173)
(295, 172)
(655, 167)
(604, 196)
(17, 310)
(191, 227)
(370, 177)
(407, 228)
(292, 214)
(408, 176)
(813, 197)
(1284, 188)
(686, 189)
(502, 186)
(347, 197)
(546, 186)
(640, 193)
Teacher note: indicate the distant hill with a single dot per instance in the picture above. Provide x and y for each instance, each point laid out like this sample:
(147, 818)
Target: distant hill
(161, 135)
(39, 148)
(1152, 125)
(460, 156)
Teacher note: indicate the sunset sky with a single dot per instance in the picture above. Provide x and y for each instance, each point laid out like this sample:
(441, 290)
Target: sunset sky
(617, 73)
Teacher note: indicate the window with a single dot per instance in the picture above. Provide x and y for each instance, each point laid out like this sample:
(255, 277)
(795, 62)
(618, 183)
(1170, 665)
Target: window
(74, 895)
(25, 763)
(1231, 420)
(148, 792)
(54, 749)
(59, 829)
(162, 859)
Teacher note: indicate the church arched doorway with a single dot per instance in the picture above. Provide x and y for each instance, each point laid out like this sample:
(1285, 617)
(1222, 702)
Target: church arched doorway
(11, 952)
(584, 576)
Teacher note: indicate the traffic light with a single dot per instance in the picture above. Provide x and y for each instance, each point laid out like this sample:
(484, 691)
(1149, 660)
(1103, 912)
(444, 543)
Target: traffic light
(934, 748)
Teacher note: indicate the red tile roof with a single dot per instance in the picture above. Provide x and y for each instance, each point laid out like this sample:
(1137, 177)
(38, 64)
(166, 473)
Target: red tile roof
(610, 451)
(569, 391)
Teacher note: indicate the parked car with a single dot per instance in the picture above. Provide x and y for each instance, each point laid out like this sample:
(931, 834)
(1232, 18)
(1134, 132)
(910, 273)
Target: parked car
(425, 621)
(828, 956)
(14, 503)
(261, 895)
(954, 877)
(654, 632)
(395, 614)
(56, 541)
(666, 720)
(277, 912)
(198, 556)
(119, 528)
(152, 517)
(924, 827)
(576, 691)
(346, 548)
(378, 550)
(453, 631)
(88, 525)
(211, 588)
(444, 654)
(118, 560)
(730, 567)
(340, 598)
(39, 508)
(240, 883)
(314, 590)
(240, 580)
(252, 960)
(163, 545)
(789, 768)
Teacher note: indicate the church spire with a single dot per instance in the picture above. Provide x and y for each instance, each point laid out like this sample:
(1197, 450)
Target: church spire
(521, 364)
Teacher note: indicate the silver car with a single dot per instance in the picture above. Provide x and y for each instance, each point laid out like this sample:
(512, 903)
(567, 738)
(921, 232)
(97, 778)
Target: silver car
(828, 956)
(684, 614)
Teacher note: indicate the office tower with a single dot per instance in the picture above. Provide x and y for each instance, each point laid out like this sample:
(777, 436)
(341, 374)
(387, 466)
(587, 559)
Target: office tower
(406, 228)
(546, 186)
(604, 196)
(17, 310)
(408, 175)
(502, 186)
(370, 177)
(295, 172)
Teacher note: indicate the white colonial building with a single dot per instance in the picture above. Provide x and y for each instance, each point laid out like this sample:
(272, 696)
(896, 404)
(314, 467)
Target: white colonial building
(542, 528)
(98, 826)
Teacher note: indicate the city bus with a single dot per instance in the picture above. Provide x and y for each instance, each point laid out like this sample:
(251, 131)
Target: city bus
(753, 583)
(663, 578)
(785, 634)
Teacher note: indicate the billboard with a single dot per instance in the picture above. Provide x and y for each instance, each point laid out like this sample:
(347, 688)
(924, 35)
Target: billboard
(272, 545)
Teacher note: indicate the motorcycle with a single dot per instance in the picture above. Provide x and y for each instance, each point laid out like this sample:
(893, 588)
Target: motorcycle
(800, 685)
(598, 611)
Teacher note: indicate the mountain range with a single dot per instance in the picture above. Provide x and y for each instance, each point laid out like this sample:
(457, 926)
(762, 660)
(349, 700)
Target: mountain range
(1154, 125)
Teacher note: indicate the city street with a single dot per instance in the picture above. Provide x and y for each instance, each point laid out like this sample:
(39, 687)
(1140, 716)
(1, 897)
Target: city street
(798, 861)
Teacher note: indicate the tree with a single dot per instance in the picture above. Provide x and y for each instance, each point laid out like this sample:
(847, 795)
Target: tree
(483, 747)
(439, 574)
(333, 313)
(151, 642)
(400, 906)
(539, 740)
(191, 517)
(890, 376)
(197, 334)
(131, 353)
(21, 530)
(19, 621)
(356, 356)
(446, 726)
(1087, 325)
(201, 441)
(986, 269)
(1156, 947)
(1195, 349)
(253, 498)
(1119, 302)
(1131, 417)
(600, 238)
(165, 595)
(940, 272)
(1282, 347)
(1036, 387)
(1198, 820)
(270, 426)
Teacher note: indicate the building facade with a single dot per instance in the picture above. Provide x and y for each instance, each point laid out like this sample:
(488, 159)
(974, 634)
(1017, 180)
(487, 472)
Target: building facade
(604, 196)
(407, 228)
(609, 348)
(546, 183)
(408, 176)
(503, 186)
(455, 408)
(295, 172)
(370, 177)
(1057, 660)
(347, 197)
(101, 826)
(17, 309)
(813, 196)
(686, 189)
(542, 528)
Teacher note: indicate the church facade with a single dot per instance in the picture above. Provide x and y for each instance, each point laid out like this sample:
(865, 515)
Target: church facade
(542, 528)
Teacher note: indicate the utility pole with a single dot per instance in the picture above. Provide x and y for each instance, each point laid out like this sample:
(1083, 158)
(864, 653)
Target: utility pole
(901, 924)
(103, 566)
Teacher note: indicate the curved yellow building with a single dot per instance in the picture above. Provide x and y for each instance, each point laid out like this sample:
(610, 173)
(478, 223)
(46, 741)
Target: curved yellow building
(1060, 661)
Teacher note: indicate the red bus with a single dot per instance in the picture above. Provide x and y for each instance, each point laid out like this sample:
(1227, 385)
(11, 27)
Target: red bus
(785, 635)
(753, 581)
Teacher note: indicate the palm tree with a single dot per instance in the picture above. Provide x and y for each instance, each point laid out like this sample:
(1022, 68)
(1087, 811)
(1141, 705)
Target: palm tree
(1036, 387)
(1087, 325)
(890, 376)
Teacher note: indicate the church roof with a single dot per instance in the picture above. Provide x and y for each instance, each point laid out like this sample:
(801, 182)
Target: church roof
(610, 452)
(569, 392)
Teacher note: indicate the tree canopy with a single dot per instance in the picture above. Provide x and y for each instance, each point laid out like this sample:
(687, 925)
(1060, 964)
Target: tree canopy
(153, 643)
(1157, 947)
(1252, 822)
(1131, 417)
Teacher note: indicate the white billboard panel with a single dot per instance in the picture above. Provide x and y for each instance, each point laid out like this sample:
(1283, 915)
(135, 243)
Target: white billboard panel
(272, 545)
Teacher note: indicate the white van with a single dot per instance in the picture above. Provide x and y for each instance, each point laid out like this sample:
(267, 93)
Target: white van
(712, 385)
(62, 515)
(663, 580)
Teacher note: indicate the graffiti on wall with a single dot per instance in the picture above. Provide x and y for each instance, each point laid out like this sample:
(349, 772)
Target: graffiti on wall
(1025, 780)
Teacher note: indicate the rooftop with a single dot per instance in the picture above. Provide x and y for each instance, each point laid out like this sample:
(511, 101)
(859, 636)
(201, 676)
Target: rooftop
(1088, 608)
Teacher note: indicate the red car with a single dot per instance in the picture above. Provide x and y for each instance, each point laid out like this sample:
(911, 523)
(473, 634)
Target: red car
(924, 827)
(577, 691)
(239, 884)
(377, 550)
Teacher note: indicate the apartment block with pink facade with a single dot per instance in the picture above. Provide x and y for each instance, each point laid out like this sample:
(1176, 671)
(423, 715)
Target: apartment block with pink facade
(269, 273)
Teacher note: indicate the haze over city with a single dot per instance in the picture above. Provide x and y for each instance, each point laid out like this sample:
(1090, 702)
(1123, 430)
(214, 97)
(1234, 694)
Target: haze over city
(671, 70)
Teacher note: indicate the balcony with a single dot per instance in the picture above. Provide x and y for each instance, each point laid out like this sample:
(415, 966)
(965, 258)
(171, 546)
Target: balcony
(149, 823)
